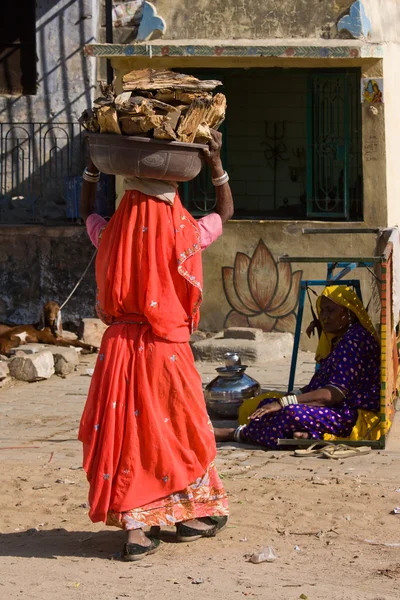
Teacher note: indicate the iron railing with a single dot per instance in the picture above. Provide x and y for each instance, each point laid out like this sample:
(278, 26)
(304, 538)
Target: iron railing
(37, 161)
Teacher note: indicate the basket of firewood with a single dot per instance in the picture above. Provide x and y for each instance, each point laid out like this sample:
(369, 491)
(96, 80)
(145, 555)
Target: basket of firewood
(158, 127)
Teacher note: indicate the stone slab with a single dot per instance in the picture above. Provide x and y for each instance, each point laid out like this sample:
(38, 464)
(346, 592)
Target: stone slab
(28, 349)
(271, 347)
(244, 333)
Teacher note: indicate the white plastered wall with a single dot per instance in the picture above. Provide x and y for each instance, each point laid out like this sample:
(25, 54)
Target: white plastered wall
(391, 71)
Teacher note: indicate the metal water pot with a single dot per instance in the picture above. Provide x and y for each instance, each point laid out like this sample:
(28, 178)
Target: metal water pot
(225, 394)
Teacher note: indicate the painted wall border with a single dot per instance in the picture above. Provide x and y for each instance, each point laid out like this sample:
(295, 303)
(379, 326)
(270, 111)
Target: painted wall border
(157, 50)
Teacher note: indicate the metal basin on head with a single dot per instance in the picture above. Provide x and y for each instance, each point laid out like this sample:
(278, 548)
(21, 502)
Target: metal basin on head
(133, 156)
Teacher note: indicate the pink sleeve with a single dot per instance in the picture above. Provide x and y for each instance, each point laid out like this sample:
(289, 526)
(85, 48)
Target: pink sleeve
(210, 229)
(94, 224)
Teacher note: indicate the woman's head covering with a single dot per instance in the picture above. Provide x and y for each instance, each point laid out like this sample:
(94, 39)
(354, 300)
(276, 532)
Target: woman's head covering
(344, 296)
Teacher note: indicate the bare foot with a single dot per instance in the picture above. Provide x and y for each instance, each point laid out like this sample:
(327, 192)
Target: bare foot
(300, 435)
(224, 434)
(137, 536)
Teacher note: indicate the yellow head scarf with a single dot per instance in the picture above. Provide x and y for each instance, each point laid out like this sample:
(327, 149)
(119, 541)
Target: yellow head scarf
(344, 296)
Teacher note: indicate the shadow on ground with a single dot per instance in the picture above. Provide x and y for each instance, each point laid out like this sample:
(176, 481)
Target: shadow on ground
(54, 543)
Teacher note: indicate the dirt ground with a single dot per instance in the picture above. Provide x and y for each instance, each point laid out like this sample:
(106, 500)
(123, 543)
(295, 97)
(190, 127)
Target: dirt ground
(329, 522)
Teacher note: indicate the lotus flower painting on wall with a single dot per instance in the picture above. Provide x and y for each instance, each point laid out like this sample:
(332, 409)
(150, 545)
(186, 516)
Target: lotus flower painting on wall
(261, 292)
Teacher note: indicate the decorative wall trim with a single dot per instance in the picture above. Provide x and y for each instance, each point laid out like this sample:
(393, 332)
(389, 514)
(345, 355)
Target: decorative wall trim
(152, 26)
(156, 50)
(356, 23)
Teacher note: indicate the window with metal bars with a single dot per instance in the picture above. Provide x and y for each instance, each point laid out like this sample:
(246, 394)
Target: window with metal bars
(17, 47)
(292, 145)
(334, 158)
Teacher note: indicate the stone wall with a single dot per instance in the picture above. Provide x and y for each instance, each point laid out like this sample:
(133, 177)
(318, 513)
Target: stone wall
(66, 79)
(221, 20)
(385, 17)
(38, 264)
(391, 68)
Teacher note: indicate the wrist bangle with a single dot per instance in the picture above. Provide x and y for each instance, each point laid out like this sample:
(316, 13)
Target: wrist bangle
(288, 400)
(220, 180)
(91, 173)
(236, 435)
(91, 177)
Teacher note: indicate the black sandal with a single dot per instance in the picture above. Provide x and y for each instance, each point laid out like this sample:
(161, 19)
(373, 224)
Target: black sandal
(190, 534)
(133, 552)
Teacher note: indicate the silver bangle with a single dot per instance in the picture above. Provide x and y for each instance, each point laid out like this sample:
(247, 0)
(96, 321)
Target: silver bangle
(236, 435)
(288, 400)
(95, 174)
(218, 181)
(91, 177)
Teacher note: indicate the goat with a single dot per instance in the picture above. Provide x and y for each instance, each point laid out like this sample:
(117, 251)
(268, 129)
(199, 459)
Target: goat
(47, 331)
(4, 328)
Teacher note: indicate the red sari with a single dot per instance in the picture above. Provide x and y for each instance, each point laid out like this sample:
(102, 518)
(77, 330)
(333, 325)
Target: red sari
(148, 442)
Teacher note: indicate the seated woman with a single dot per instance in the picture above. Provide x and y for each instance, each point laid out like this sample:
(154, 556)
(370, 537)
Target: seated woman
(348, 379)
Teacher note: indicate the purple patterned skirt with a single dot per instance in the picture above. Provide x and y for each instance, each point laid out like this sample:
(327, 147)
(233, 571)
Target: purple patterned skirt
(298, 418)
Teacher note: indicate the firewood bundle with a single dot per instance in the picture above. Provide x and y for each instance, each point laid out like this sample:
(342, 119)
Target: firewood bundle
(160, 104)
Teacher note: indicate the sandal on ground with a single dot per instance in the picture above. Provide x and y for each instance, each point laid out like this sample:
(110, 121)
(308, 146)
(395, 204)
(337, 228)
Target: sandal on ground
(342, 451)
(315, 449)
(190, 534)
(133, 552)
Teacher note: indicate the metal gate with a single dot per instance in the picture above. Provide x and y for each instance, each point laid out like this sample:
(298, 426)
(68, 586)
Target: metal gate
(334, 154)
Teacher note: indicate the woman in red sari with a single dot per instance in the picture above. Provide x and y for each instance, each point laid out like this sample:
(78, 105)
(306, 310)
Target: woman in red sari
(147, 440)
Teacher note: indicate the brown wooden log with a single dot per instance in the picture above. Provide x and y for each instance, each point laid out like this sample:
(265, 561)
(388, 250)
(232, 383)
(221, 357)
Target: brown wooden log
(107, 89)
(216, 114)
(143, 124)
(164, 132)
(123, 101)
(179, 96)
(108, 119)
(203, 134)
(173, 117)
(189, 97)
(190, 122)
(89, 121)
(151, 79)
(137, 106)
(167, 96)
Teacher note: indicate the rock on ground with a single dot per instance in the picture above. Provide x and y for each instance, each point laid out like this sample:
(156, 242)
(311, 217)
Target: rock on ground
(32, 367)
(91, 331)
(65, 360)
(4, 370)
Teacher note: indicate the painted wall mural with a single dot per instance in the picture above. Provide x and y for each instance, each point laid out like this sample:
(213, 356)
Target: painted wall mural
(372, 91)
(261, 292)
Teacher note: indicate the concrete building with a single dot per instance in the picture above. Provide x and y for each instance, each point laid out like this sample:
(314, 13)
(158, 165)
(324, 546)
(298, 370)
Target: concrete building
(45, 84)
(310, 136)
